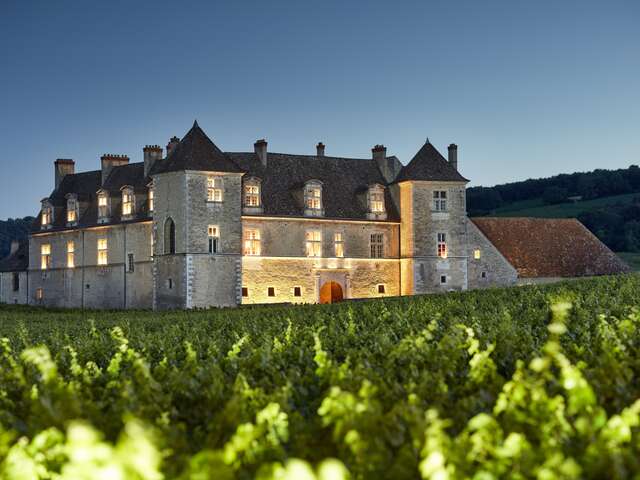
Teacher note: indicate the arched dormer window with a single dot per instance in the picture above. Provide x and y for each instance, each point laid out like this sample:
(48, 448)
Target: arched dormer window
(375, 202)
(252, 195)
(72, 209)
(104, 206)
(128, 202)
(169, 236)
(313, 205)
(46, 214)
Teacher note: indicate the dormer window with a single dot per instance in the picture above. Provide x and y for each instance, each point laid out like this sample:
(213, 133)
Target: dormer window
(215, 192)
(103, 206)
(252, 195)
(128, 202)
(46, 217)
(375, 203)
(72, 209)
(313, 199)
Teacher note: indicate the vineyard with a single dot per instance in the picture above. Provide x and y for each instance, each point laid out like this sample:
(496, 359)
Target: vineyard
(530, 382)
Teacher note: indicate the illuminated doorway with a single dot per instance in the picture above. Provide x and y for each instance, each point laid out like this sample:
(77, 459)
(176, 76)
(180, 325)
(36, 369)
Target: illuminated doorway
(331, 292)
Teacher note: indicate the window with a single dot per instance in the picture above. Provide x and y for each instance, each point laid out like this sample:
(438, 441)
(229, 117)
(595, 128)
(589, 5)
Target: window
(16, 281)
(377, 245)
(271, 292)
(71, 254)
(151, 195)
(382, 289)
(245, 292)
(103, 252)
(252, 195)
(252, 241)
(169, 237)
(376, 199)
(442, 245)
(214, 189)
(127, 202)
(72, 210)
(313, 197)
(213, 236)
(314, 243)
(131, 264)
(297, 291)
(483, 275)
(440, 200)
(39, 294)
(103, 205)
(476, 254)
(47, 215)
(45, 256)
(170, 283)
(338, 245)
(443, 279)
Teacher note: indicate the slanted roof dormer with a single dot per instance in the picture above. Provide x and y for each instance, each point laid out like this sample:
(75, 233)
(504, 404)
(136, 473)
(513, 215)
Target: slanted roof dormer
(252, 195)
(73, 209)
(313, 202)
(46, 214)
(376, 205)
(104, 206)
(128, 204)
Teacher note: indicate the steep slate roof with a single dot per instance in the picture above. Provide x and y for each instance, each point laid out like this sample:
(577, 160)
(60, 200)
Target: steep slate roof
(429, 164)
(17, 262)
(540, 247)
(344, 183)
(196, 151)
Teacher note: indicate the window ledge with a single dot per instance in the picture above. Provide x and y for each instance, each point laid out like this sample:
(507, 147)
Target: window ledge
(309, 212)
(252, 210)
(439, 215)
(377, 215)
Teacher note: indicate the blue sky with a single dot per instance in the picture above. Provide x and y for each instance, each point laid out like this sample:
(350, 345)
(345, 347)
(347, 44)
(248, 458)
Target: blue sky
(526, 89)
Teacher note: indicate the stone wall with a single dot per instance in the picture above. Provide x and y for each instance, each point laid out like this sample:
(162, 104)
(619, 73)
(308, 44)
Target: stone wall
(491, 269)
(8, 294)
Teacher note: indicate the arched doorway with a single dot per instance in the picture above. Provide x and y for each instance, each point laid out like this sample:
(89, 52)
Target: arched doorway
(331, 292)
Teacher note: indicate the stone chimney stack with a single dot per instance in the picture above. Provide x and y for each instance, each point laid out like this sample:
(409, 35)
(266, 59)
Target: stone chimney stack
(320, 149)
(453, 155)
(173, 143)
(63, 167)
(379, 154)
(151, 153)
(109, 161)
(260, 147)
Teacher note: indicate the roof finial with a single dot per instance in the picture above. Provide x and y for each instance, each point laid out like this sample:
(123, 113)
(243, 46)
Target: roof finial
(195, 124)
(428, 140)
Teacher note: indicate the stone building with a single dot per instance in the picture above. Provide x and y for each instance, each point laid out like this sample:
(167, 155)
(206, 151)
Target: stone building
(199, 227)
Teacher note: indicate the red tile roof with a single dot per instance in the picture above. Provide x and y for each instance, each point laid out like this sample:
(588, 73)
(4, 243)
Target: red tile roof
(541, 247)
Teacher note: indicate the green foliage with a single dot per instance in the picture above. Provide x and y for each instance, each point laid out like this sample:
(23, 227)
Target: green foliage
(531, 382)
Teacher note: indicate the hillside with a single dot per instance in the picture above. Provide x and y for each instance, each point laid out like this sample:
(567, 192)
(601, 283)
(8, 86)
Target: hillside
(13, 229)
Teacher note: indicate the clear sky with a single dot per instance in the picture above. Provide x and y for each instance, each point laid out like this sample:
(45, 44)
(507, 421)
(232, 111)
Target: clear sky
(525, 88)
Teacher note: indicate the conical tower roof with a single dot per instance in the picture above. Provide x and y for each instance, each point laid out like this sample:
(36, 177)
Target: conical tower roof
(429, 164)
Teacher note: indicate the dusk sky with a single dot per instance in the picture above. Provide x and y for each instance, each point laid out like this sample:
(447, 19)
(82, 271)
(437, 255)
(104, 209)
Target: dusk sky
(526, 89)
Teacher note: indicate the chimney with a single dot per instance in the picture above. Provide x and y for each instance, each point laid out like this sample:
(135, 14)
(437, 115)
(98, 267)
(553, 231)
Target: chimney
(453, 155)
(173, 143)
(109, 161)
(320, 149)
(15, 244)
(260, 147)
(379, 153)
(151, 154)
(63, 167)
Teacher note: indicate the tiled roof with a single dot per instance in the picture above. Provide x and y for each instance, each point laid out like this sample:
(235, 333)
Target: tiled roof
(429, 164)
(344, 183)
(540, 247)
(197, 152)
(17, 262)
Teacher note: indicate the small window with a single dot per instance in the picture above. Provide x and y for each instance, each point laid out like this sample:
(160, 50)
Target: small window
(39, 294)
(252, 195)
(213, 235)
(443, 279)
(131, 264)
(72, 210)
(45, 256)
(46, 215)
(214, 189)
(338, 245)
(377, 245)
(442, 245)
(103, 252)
(440, 200)
(170, 283)
(382, 288)
(297, 291)
(169, 236)
(483, 275)
(476, 254)
(16, 282)
(103, 205)
(245, 292)
(71, 254)
(251, 241)
(151, 200)
(271, 291)
(313, 243)
(127, 202)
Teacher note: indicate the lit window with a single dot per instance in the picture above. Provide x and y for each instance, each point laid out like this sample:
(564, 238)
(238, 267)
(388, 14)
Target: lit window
(213, 236)
(376, 200)
(440, 200)
(214, 189)
(252, 241)
(39, 294)
(103, 205)
(442, 245)
(377, 245)
(127, 202)
(252, 195)
(313, 197)
(72, 210)
(45, 256)
(71, 254)
(476, 254)
(151, 205)
(103, 252)
(338, 244)
(314, 243)
(47, 215)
